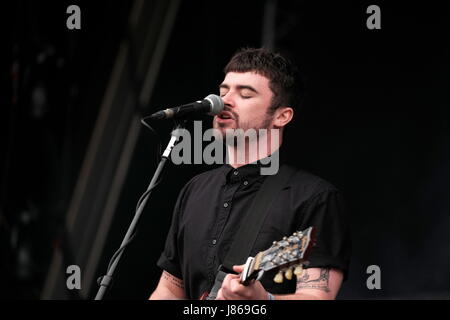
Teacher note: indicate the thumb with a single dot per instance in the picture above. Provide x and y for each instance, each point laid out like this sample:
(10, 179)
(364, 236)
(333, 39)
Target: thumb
(239, 268)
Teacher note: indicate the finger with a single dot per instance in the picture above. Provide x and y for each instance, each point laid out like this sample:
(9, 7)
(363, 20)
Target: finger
(226, 281)
(225, 294)
(236, 287)
(220, 295)
(239, 268)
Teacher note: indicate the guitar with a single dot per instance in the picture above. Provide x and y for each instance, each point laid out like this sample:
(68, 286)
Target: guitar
(289, 255)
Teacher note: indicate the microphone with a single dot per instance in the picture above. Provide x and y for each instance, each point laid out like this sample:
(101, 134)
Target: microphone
(211, 105)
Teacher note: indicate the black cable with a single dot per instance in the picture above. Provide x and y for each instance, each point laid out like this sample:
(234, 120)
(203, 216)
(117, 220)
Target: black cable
(144, 196)
(158, 159)
(159, 149)
(114, 257)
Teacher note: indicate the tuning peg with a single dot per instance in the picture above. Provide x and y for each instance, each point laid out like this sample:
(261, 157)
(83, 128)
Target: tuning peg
(288, 274)
(278, 277)
(298, 270)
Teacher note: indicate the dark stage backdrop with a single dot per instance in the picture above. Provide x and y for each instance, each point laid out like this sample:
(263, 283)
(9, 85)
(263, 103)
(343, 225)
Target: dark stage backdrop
(375, 122)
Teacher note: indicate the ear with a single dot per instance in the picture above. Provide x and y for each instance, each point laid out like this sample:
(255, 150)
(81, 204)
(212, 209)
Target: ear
(282, 116)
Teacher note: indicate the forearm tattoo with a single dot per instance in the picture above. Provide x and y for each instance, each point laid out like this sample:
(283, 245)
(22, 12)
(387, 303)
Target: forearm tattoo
(320, 283)
(175, 281)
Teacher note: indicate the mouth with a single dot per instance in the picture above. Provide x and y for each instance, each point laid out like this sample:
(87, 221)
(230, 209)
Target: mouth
(225, 115)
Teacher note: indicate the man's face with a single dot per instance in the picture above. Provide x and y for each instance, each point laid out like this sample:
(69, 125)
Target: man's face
(247, 98)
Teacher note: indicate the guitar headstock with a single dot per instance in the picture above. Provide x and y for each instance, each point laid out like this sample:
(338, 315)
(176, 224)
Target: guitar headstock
(289, 255)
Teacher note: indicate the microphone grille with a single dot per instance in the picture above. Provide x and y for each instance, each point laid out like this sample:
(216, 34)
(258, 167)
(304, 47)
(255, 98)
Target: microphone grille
(216, 104)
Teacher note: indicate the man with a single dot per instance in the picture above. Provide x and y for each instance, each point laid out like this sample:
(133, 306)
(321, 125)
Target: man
(260, 91)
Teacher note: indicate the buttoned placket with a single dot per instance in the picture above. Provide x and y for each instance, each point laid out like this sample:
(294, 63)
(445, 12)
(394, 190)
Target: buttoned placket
(224, 209)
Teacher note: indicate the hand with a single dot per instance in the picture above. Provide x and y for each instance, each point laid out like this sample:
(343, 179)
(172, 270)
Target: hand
(232, 289)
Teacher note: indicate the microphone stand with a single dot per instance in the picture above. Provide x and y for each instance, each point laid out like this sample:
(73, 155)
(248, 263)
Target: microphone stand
(106, 280)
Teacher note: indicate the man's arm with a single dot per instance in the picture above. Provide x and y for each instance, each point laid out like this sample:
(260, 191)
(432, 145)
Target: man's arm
(316, 284)
(169, 288)
(313, 284)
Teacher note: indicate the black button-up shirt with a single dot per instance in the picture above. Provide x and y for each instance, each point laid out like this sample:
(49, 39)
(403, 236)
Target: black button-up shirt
(211, 206)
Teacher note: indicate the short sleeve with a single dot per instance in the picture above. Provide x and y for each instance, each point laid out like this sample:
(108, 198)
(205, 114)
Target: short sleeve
(327, 212)
(170, 259)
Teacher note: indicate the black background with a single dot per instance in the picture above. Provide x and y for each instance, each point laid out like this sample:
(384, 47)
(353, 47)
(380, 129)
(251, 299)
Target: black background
(375, 122)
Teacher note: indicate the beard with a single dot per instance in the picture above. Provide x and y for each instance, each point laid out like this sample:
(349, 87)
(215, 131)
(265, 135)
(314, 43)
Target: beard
(241, 131)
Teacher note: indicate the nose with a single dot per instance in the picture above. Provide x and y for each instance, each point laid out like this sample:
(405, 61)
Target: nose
(228, 100)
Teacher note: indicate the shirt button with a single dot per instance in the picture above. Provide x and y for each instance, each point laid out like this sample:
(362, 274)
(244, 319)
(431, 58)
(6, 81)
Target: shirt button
(245, 182)
(235, 172)
(214, 241)
(225, 205)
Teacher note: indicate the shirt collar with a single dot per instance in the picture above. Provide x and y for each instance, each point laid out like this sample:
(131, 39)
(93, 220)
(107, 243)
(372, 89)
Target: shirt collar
(248, 171)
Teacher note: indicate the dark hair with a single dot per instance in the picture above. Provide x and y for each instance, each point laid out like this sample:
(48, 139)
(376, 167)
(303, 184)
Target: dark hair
(284, 77)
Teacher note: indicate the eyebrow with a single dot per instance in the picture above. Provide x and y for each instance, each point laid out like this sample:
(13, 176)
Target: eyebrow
(239, 87)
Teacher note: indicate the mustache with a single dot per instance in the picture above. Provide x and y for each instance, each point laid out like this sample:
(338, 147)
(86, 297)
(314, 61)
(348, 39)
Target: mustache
(230, 110)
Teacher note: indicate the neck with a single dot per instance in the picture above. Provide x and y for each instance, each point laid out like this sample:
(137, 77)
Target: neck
(251, 151)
